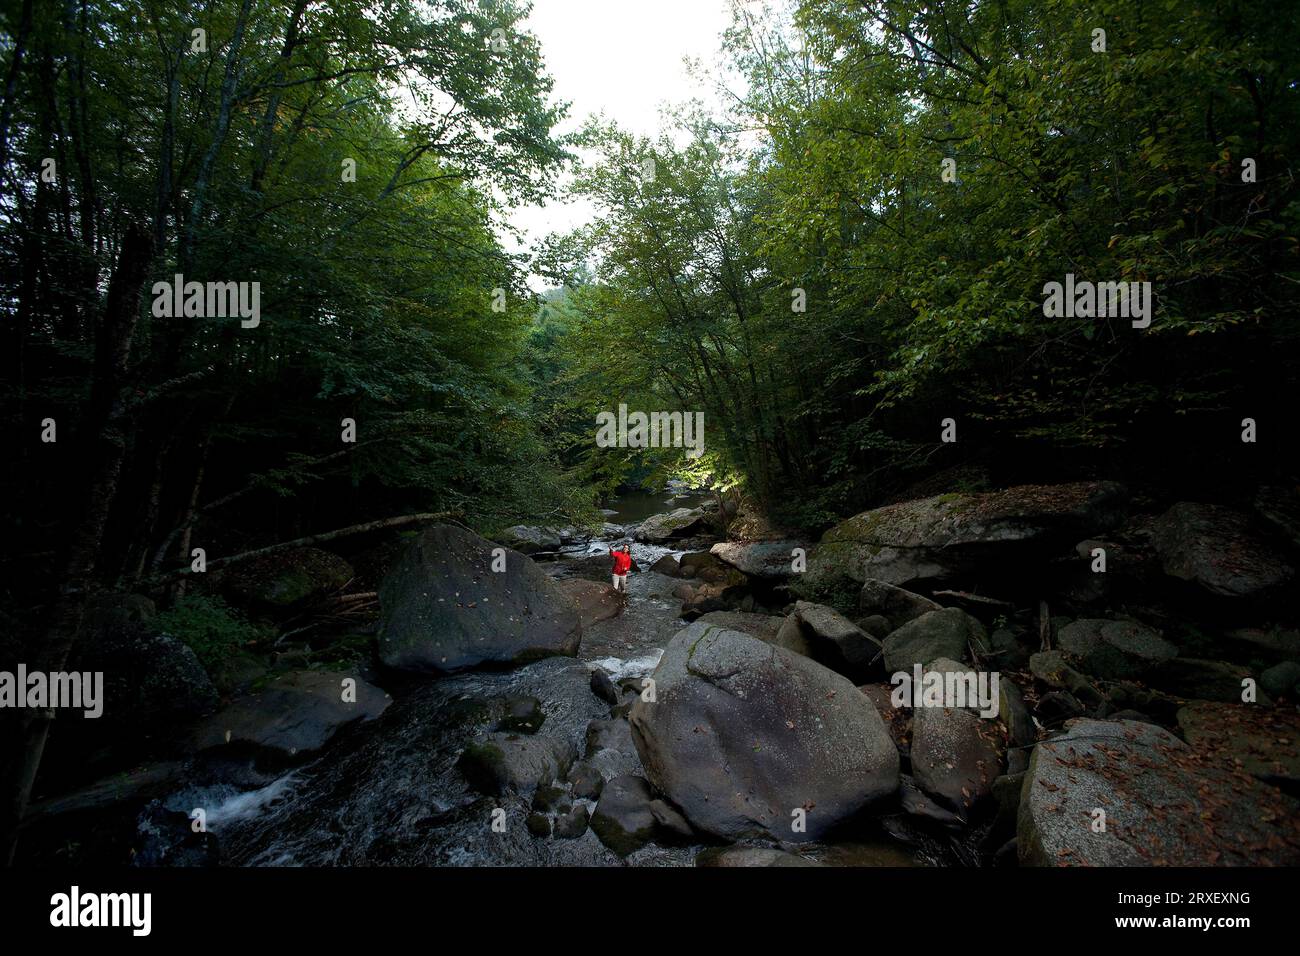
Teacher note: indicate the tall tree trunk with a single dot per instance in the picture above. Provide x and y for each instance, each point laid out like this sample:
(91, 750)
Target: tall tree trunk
(204, 177)
(107, 423)
(11, 80)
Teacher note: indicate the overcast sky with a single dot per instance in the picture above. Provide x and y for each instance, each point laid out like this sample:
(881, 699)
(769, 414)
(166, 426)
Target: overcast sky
(623, 58)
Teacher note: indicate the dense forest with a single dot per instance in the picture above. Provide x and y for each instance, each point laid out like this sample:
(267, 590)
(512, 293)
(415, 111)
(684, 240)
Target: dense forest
(845, 269)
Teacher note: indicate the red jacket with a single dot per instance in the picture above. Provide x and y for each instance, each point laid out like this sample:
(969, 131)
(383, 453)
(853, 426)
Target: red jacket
(622, 562)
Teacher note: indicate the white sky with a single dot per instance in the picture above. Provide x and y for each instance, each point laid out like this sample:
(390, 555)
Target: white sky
(623, 58)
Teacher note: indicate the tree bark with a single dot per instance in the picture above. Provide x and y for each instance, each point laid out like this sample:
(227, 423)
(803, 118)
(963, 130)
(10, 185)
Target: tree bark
(108, 424)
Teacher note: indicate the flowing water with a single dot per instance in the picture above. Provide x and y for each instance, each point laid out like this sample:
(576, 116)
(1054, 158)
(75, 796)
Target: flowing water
(388, 792)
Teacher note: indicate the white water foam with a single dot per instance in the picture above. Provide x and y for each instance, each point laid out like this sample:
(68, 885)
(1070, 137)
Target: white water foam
(225, 804)
(618, 668)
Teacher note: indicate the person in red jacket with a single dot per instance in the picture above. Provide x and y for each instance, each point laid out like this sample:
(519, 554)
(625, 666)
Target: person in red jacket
(622, 564)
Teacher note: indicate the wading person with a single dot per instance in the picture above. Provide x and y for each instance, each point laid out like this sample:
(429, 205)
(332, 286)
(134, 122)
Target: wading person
(622, 564)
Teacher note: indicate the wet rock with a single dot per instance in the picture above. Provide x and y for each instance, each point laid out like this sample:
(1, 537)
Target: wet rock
(724, 596)
(444, 609)
(624, 820)
(1139, 775)
(294, 715)
(167, 838)
(730, 856)
(943, 633)
(603, 687)
(539, 824)
(524, 715)
(586, 781)
(743, 733)
(609, 735)
(394, 795)
(1218, 549)
(668, 565)
(499, 763)
(550, 798)
(593, 600)
(573, 824)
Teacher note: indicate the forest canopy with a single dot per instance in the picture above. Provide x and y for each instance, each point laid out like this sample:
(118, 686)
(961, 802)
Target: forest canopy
(851, 253)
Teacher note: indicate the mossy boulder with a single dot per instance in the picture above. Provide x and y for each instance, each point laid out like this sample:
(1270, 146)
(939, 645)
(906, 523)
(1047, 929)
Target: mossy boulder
(935, 538)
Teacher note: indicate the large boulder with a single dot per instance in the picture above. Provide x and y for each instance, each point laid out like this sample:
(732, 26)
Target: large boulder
(956, 753)
(152, 680)
(898, 605)
(766, 560)
(1114, 650)
(741, 734)
(444, 609)
(294, 715)
(530, 540)
(1263, 741)
(1219, 550)
(708, 567)
(947, 632)
(1165, 804)
(593, 600)
(765, 627)
(680, 523)
(834, 639)
(949, 534)
(1194, 679)
(284, 579)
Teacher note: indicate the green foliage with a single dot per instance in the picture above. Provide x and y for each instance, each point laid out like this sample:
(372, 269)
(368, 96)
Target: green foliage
(925, 296)
(377, 289)
(213, 630)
